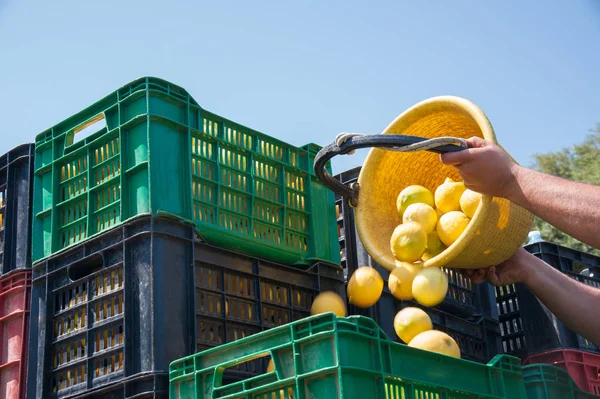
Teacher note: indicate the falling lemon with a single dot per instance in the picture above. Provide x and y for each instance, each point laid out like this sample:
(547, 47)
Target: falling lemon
(328, 301)
(447, 196)
(410, 322)
(408, 242)
(430, 286)
(401, 279)
(451, 225)
(412, 195)
(469, 201)
(421, 213)
(436, 341)
(365, 287)
(435, 246)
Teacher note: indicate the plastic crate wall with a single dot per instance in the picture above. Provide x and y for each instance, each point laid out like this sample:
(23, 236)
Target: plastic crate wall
(238, 296)
(157, 151)
(142, 386)
(112, 308)
(94, 292)
(549, 382)
(15, 299)
(463, 298)
(328, 357)
(583, 367)
(528, 327)
(16, 181)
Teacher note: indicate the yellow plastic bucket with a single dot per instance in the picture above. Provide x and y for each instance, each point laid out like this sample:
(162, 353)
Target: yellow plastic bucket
(498, 227)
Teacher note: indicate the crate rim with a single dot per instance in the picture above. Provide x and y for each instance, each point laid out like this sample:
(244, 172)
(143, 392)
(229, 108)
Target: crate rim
(148, 79)
(168, 217)
(335, 320)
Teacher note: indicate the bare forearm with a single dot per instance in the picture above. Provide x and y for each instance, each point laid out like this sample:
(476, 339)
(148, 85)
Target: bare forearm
(574, 303)
(569, 206)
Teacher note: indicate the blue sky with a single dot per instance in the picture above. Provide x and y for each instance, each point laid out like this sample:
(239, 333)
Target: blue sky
(303, 71)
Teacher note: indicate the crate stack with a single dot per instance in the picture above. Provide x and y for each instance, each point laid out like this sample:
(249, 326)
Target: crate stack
(145, 229)
(531, 332)
(468, 314)
(16, 178)
(164, 231)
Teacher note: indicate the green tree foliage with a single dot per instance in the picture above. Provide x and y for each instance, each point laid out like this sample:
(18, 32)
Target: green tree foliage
(580, 162)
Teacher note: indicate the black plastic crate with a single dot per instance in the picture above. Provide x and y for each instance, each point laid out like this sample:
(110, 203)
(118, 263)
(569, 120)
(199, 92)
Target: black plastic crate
(139, 296)
(16, 177)
(527, 326)
(478, 337)
(463, 298)
(237, 296)
(141, 386)
(111, 308)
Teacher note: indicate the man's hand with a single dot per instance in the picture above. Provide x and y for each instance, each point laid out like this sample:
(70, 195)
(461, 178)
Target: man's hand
(574, 303)
(484, 167)
(517, 269)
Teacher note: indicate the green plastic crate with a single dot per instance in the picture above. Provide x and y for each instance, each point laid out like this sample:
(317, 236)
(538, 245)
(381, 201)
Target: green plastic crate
(328, 357)
(543, 381)
(160, 152)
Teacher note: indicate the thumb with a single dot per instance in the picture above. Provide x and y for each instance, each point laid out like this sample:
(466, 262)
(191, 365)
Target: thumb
(456, 158)
(460, 157)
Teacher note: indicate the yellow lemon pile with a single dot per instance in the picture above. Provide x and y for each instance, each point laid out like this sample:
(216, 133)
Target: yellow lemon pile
(414, 327)
(431, 222)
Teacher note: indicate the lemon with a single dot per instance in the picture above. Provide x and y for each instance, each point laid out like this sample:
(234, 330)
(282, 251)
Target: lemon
(447, 196)
(328, 301)
(435, 246)
(410, 322)
(365, 287)
(436, 341)
(408, 242)
(469, 201)
(451, 225)
(412, 195)
(422, 214)
(430, 286)
(401, 279)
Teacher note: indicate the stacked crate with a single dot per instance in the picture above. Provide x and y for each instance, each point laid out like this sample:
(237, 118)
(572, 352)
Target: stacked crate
(468, 314)
(16, 178)
(528, 327)
(531, 332)
(166, 230)
(351, 358)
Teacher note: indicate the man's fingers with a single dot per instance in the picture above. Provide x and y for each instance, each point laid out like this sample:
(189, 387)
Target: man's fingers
(477, 276)
(477, 142)
(492, 277)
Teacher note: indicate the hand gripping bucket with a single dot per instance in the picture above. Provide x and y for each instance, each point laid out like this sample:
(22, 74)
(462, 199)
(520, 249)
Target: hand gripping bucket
(498, 227)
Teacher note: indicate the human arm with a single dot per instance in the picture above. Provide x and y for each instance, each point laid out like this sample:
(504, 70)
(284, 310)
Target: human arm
(574, 303)
(569, 206)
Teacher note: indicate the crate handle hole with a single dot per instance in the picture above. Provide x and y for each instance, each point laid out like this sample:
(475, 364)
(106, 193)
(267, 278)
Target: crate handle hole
(250, 362)
(86, 129)
(86, 267)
